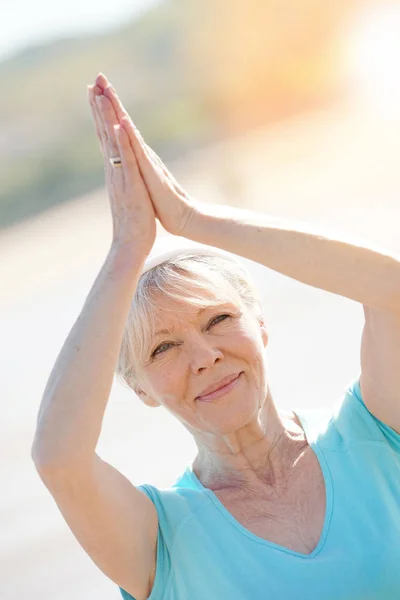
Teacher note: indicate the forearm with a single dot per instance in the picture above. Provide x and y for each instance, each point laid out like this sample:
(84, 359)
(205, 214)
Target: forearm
(76, 395)
(297, 250)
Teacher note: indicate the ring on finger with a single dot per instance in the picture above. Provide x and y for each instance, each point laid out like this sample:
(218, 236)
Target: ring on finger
(116, 161)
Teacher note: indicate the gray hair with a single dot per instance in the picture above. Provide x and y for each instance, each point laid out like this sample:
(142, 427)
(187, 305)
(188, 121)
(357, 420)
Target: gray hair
(188, 278)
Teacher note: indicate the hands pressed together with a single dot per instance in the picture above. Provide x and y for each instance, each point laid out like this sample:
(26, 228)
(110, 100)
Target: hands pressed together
(140, 187)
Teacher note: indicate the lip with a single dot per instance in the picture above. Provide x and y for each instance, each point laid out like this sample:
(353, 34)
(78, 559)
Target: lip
(224, 386)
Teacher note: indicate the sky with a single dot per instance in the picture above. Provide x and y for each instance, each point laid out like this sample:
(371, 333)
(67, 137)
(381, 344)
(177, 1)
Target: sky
(24, 22)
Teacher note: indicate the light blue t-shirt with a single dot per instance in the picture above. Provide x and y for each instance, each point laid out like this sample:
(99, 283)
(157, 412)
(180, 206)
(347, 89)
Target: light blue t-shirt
(203, 552)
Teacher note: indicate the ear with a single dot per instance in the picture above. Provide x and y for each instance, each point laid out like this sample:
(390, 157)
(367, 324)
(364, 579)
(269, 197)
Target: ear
(264, 332)
(145, 398)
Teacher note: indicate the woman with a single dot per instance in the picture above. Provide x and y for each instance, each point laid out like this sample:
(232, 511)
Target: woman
(273, 506)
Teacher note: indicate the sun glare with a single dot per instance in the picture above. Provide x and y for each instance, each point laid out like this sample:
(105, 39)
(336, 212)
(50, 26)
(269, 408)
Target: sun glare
(373, 55)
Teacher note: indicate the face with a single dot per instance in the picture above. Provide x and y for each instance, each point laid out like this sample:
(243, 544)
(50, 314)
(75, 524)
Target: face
(204, 346)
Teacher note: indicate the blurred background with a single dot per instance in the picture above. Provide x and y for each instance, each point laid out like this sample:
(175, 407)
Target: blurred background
(290, 108)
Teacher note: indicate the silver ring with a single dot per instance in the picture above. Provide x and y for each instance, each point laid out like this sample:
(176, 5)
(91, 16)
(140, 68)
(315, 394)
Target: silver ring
(116, 161)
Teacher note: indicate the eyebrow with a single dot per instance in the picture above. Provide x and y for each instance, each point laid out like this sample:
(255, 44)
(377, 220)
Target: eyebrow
(167, 331)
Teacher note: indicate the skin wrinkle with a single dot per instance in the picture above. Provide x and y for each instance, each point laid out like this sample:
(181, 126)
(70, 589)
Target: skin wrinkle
(255, 459)
(245, 450)
(215, 279)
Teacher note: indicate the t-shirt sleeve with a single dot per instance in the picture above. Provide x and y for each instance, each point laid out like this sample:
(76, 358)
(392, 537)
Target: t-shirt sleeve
(384, 431)
(163, 561)
(352, 422)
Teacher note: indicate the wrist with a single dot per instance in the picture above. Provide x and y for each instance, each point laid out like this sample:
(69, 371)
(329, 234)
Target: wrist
(195, 224)
(127, 256)
(206, 224)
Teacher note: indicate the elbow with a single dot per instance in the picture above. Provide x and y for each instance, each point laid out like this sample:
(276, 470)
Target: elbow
(50, 465)
(41, 459)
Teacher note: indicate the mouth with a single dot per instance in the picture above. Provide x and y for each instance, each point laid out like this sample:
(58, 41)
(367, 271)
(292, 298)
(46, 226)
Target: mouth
(224, 389)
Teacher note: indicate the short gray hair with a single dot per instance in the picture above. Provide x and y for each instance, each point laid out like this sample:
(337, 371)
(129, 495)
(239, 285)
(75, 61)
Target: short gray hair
(188, 278)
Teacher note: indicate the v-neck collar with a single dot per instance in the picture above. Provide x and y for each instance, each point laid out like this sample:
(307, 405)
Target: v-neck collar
(328, 495)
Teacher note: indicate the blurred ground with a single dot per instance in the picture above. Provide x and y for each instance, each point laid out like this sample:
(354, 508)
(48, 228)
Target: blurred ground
(337, 168)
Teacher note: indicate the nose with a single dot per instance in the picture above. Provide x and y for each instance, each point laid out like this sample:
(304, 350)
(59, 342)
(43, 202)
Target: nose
(203, 355)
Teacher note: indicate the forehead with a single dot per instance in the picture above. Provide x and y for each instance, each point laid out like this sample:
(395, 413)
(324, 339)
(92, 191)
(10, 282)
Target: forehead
(170, 312)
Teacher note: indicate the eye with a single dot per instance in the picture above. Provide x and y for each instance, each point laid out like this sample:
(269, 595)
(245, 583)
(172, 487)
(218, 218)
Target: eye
(224, 316)
(159, 349)
(156, 351)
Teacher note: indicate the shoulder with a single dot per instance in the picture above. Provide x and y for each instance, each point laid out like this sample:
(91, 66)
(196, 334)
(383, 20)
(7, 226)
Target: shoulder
(174, 504)
(346, 422)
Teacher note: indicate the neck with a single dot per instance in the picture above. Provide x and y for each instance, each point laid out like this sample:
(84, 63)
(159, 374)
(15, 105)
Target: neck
(257, 454)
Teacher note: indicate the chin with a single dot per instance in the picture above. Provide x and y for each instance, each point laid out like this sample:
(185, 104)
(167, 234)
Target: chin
(235, 420)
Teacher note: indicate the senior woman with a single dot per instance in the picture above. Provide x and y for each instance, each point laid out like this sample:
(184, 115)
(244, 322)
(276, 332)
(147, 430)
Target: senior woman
(274, 505)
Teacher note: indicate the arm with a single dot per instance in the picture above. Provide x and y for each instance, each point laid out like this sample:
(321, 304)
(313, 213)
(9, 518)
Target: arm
(114, 522)
(76, 395)
(329, 262)
(324, 261)
(353, 270)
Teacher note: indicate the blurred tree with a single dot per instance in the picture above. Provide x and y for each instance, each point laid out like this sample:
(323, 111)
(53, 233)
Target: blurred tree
(256, 61)
(188, 72)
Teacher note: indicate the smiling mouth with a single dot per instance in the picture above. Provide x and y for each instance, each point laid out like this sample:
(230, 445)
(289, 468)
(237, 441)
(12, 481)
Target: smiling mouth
(220, 391)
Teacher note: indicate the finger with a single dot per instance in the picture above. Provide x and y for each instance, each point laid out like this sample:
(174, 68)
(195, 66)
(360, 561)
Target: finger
(100, 122)
(114, 108)
(153, 156)
(94, 111)
(146, 165)
(121, 113)
(128, 158)
(107, 122)
(99, 92)
(101, 81)
(112, 95)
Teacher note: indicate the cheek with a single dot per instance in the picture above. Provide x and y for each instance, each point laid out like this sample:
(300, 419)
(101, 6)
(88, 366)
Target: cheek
(168, 382)
(250, 343)
(253, 351)
(169, 387)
